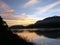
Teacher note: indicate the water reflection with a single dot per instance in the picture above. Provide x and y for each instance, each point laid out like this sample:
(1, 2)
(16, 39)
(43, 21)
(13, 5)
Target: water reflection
(28, 35)
(38, 40)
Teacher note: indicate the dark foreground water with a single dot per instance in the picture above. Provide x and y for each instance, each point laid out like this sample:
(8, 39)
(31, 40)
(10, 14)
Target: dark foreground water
(36, 39)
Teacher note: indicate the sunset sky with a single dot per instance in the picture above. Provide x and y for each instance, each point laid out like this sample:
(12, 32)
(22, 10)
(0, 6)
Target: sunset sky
(24, 12)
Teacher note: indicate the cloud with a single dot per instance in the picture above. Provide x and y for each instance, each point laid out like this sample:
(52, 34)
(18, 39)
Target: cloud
(12, 19)
(46, 8)
(8, 16)
(30, 2)
(6, 12)
(54, 11)
(5, 8)
(21, 19)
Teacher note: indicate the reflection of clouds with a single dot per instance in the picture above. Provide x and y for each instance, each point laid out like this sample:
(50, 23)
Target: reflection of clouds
(28, 35)
(39, 40)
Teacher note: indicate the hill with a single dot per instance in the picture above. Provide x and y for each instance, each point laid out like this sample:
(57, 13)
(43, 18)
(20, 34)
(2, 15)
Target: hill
(17, 27)
(49, 22)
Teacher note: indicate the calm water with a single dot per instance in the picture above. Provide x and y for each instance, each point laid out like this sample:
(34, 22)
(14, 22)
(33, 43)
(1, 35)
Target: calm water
(38, 40)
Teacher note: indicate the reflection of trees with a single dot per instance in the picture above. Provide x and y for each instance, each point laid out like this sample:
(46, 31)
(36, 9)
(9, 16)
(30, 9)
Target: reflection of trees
(49, 33)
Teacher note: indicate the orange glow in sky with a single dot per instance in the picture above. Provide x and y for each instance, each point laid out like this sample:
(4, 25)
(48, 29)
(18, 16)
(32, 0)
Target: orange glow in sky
(20, 22)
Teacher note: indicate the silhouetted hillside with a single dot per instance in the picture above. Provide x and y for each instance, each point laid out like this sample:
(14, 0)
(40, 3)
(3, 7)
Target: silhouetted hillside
(17, 27)
(30, 26)
(50, 22)
(8, 38)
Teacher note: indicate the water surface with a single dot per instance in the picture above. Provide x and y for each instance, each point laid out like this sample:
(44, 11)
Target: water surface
(38, 39)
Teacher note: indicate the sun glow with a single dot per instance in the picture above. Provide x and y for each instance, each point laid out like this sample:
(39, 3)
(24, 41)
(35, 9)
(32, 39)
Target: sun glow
(20, 22)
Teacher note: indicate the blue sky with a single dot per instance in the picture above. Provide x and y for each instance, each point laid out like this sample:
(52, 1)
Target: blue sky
(29, 9)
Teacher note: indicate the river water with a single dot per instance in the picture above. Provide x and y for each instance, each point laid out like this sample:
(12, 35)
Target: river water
(38, 39)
